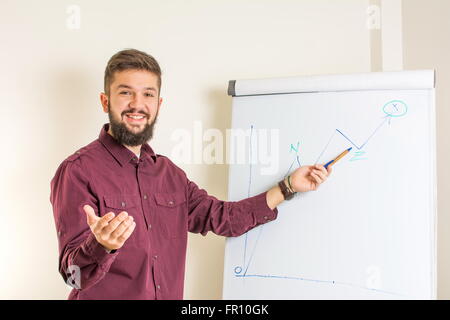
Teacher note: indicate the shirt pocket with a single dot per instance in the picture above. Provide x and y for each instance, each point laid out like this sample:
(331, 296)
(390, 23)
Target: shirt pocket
(128, 203)
(171, 212)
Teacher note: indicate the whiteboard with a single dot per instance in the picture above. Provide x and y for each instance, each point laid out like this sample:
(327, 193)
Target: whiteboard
(368, 232)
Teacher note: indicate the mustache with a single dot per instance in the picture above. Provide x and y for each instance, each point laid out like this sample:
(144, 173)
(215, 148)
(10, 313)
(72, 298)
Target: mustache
(135, 111)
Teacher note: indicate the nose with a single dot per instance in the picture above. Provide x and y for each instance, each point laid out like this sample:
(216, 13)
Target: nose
(137, 102)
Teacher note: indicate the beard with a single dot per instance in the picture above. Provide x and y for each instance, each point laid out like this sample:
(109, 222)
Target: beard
(125, 136)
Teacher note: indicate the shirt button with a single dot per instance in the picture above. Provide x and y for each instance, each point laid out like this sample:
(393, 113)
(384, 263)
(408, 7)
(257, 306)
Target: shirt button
(123, 204)
(266, 218)
(145, 197)
(155, 256)
(149, 226)
(171, 202)
(158, 287)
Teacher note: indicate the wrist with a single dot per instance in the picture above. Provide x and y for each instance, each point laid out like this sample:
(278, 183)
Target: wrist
(287, 192)
(287, 182)
(109, 250)
(274, 197)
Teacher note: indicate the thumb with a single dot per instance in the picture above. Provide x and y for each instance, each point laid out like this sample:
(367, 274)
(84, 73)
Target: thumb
(90, 214)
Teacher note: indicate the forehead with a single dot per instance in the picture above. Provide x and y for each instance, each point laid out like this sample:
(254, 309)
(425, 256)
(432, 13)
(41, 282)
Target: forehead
(137, 79)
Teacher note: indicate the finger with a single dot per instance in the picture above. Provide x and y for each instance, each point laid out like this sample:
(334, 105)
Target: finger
(329, 169)
(322, 169)
(103, 222)
(321, 174)
(90, 215)
(316, 178)
(121, 228)
(127, 233)
(113, 224)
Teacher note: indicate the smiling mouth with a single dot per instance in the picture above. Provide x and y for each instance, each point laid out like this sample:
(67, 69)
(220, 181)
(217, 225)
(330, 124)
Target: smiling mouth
(135, 117)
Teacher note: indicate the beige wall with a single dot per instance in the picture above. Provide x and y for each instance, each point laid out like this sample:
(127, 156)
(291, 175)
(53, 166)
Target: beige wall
(426, 44)
(52, 77)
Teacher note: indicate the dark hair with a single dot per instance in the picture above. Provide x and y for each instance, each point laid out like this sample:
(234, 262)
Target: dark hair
(127, 60)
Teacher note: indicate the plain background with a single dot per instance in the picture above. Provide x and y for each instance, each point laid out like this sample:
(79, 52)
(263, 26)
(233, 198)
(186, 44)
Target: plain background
(52, 76)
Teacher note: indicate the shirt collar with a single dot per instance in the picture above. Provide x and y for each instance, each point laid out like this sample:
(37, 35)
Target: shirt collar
(120, 152)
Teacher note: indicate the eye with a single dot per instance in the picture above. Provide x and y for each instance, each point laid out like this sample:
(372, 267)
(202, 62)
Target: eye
(149, 95)
(124, 92)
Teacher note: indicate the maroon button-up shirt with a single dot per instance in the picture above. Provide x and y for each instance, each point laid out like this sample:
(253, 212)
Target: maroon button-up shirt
(165, 205)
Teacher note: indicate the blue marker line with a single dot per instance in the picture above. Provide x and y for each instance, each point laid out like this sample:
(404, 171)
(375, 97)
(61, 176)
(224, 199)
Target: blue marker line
(248, 191)
(319, 281)
(368, 139)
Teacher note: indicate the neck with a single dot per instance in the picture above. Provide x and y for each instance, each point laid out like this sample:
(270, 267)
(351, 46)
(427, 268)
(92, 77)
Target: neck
(136, 149)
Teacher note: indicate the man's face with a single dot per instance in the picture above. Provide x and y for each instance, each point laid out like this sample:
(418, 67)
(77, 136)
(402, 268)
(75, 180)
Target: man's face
(132, 106)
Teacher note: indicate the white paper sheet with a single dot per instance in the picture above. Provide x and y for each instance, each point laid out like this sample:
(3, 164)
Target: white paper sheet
(368, 232)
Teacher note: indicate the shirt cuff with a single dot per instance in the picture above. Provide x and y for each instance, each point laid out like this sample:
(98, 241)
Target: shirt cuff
(262, 213)
(99, 253)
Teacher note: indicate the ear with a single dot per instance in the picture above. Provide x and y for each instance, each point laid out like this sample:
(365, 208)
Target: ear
(104, 102)
(160, 102)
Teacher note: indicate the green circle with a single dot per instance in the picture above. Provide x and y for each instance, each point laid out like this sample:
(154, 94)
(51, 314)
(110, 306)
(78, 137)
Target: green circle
(398, 115)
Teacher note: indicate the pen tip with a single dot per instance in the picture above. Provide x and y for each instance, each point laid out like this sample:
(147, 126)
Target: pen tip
(350, 148)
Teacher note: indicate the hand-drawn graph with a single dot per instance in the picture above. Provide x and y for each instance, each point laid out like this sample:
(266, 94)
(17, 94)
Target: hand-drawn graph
(391, 110)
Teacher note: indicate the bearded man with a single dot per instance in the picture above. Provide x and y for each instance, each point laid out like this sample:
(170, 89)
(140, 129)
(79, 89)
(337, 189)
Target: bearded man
(122, 212)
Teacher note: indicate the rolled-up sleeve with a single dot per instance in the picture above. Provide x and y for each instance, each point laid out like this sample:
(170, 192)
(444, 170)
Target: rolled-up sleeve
(226, 218)
(78, 248)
